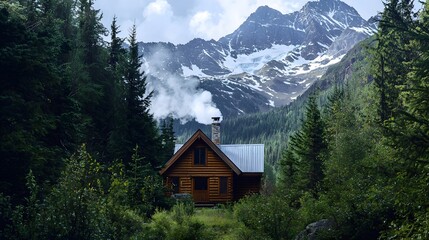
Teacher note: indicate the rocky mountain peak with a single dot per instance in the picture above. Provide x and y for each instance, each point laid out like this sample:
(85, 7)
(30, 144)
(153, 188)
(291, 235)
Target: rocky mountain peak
(271, 58)
(264, 14)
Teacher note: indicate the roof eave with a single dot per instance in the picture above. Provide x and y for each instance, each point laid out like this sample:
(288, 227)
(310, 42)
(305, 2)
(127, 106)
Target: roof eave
(199, 135)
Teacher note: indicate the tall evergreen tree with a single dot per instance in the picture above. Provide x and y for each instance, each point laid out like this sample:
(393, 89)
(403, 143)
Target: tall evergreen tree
(116, 50)
(117, 54)
(31, 94)
(167, 139)
(141, 127)
(390, 54)
(408, 128)
(306, 148)
(93, 78)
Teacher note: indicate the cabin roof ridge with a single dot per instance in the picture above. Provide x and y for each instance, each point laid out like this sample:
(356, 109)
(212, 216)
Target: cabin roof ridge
(199, 134)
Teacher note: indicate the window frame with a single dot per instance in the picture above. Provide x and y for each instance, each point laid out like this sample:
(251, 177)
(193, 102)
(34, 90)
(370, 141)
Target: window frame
(198, 161)
(223, 185)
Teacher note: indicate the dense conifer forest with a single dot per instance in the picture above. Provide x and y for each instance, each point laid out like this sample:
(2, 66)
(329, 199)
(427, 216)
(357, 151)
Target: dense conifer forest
(80, 152)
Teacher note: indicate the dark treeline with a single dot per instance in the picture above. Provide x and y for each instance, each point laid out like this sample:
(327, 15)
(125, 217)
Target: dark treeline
(79, 151)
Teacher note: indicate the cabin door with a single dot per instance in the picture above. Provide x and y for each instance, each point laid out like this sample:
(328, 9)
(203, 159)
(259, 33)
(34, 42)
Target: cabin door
(201, 193)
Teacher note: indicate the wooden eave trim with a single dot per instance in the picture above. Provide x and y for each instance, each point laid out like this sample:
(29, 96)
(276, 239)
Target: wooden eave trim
(251, 174)
(200, 135)
(179, 153)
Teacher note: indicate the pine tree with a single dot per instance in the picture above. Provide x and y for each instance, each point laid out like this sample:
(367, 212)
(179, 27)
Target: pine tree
(167, 139)
(116, 50)
(116, 141)
(94, 85)
(408, 128)
(390, 54)
(141, 127)
(302, 163)
(411, 128)
(32, 100)
(287, 171)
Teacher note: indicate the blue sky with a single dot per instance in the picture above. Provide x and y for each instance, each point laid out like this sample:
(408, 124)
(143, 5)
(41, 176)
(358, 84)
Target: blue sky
(179, 21)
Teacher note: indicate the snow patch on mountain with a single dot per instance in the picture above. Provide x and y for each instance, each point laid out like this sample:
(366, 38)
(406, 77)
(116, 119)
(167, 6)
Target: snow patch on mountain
(250, 63)
(322, 61)
(267, 62)
(365, 30)
(192, 71)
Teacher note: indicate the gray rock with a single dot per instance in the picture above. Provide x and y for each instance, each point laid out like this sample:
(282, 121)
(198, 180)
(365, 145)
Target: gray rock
(310, 232)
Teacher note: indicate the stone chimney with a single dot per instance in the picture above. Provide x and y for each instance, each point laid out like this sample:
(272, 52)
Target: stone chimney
(216, 130)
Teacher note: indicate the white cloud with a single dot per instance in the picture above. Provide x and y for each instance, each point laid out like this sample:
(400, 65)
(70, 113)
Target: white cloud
(182, 99)
(179, 21)
(159, 7)
(231, 15)
(176, 96)
(199, 18)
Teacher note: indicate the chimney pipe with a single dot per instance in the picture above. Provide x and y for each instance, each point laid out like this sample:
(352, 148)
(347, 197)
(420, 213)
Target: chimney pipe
(216, 130)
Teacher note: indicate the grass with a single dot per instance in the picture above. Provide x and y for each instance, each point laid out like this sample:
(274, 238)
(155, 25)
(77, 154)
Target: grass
(204, 223)
(218, 220)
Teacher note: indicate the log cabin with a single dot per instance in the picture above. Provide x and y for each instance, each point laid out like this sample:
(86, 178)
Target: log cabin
(212, 172)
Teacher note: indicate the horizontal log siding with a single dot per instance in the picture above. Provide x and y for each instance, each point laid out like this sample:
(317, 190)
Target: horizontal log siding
(214, 190)
(185, 185)
(215, 167)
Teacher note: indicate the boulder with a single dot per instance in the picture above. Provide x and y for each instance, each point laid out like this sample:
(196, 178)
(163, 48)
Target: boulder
(310, 232)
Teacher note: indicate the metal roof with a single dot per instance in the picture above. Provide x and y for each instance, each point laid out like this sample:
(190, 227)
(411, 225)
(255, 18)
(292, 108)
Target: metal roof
(249, 158)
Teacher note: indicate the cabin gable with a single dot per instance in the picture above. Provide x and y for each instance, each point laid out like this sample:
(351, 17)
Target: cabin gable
(201, 168)
(186, 164)
(191, 176)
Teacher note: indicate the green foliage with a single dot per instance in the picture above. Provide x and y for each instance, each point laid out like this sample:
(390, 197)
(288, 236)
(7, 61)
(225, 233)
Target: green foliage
(219, 220)
(31, 83)
(268, 216)
(146, 188)
(61, 88)
(407, 128)
(167, 139)
(164, 226)
(125, 222)
(140, 129)
(23, 221)
(182, 210)
(75, 209)
(6, 216)
(301, 168)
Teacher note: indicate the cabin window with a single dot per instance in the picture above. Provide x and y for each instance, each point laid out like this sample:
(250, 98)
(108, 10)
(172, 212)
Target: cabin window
(200, 183)
(175, 184)
(223, 185)
(200, 156)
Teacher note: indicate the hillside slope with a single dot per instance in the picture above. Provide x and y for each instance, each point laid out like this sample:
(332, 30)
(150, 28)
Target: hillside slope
(273, 128)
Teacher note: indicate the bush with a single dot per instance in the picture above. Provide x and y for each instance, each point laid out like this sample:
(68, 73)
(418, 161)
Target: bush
(268, 216)
(182, 210)
(165, 226)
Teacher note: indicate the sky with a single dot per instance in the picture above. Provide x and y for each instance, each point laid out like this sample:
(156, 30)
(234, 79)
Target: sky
(179, 21)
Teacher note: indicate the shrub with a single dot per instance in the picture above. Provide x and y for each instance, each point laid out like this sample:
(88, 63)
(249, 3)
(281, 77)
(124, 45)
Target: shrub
(182, 210)
(268, 216)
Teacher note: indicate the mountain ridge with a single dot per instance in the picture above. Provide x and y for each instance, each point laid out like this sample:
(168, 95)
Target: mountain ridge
(269, 60)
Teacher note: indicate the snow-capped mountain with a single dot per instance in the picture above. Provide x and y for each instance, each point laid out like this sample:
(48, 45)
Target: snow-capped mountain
(269, 60)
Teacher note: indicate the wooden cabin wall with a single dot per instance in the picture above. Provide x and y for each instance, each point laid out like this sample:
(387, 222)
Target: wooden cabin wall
(215, 168)
(214, 190)
(185, 185)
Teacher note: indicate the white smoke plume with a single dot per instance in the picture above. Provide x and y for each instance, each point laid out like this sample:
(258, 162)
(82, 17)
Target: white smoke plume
(176, 96)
